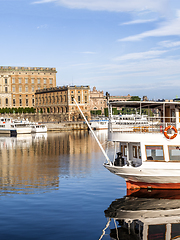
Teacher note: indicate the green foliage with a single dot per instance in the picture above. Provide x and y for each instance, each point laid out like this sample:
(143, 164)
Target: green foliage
(135, 98)
(96, 112)
(17, 110)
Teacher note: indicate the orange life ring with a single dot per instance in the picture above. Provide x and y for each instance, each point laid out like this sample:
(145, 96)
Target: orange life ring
(175, 132)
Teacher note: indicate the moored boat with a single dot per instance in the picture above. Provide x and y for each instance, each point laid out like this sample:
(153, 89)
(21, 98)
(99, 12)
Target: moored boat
(148, 157)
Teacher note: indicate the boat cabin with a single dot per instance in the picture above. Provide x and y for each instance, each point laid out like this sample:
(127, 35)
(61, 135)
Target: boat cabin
(157, 141)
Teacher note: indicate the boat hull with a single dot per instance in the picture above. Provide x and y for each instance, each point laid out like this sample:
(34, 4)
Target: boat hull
(137, 178)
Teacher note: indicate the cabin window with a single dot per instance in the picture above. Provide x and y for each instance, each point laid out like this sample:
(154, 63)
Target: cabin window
(139, 152)
(134, 151)
(175, 230)
(174, 153)
(125, 151)
(155, 153)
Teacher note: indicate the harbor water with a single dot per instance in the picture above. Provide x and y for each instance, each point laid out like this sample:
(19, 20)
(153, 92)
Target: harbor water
(54, 186)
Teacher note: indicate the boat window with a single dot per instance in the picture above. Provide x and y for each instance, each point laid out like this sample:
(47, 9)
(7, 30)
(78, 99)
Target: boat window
(125, 151)
(134, 151)
(154, 231)
(175, 230)
(139, 152)
(174, 153)
(154, 153)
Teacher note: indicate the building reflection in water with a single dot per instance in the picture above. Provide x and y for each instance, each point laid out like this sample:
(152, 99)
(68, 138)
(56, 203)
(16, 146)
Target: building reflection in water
(145, 215)
(39, 161)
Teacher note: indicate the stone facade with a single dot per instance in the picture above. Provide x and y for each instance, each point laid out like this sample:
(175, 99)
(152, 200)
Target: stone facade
(18, 85)
(59, 102)
(98, 101)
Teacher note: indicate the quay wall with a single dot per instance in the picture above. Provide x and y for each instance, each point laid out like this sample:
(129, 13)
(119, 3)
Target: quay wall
(54, 122)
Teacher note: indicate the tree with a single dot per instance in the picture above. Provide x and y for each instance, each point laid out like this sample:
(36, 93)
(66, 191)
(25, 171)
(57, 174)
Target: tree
(135, 98)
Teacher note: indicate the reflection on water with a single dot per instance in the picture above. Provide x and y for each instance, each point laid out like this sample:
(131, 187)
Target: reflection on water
(146, 216)
(39, 161)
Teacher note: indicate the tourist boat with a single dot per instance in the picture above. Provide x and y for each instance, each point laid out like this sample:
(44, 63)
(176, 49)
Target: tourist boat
(99, 123)
(6, 127)
(21, 126)
(149, 215)
(38, 128)
(148, 157)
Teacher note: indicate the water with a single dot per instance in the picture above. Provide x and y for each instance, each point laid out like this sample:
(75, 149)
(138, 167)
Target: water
(54, 186)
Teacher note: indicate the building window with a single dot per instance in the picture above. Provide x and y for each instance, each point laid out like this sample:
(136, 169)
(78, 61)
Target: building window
(5, 80)
(14, 102)
(85, 99)
(79, 98)
(20, 80)
(50, 80)
(13, 88)
(6, 101)
(26, 88)
(26, 102)
(44, 80)
(32, 89)
(13, 80)
(20, 89)
(39, 80)
(6, 89)
(26, 80)
(39, 88)
(32, 80)
(20, 102)
(65, 98)
(78, 91)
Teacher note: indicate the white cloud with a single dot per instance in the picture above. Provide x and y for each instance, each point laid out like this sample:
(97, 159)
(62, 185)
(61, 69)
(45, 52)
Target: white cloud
(169, 44)
(112, 5)
(138, 21)
(169, 28)
(42, 26)
(140, 55)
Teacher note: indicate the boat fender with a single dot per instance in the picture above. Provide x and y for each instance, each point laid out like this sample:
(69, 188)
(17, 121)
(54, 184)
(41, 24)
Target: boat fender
(175, 132)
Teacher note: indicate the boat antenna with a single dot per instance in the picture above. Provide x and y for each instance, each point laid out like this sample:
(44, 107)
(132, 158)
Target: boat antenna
(102, 149)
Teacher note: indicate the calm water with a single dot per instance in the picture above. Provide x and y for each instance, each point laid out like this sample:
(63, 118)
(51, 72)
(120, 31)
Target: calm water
(54, 186)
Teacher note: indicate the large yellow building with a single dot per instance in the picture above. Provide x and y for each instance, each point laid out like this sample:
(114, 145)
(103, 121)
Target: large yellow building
(19, 84)
(60, 101)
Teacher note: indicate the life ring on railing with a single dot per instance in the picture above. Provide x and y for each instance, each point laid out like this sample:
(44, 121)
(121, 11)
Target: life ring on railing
(175, 132)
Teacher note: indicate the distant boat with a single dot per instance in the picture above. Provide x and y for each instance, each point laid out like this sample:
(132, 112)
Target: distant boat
(38, 128)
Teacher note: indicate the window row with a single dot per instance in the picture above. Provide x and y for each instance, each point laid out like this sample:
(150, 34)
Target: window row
(32, 80)
(156, 153)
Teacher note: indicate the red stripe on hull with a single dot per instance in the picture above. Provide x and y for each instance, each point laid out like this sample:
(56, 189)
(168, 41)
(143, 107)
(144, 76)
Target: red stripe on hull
(138, 185)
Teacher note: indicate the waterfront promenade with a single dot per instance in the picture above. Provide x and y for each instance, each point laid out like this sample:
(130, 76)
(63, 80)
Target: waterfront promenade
(66, 126)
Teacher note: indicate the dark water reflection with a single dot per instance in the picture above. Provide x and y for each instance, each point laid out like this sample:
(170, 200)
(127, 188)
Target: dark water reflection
(145, 215)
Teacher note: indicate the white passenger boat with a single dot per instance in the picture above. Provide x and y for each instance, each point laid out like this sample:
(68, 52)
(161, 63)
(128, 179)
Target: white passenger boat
(148, 157)
(154, 216)
(99, 123)
(21, 126)
(38, 128)
(6, 127)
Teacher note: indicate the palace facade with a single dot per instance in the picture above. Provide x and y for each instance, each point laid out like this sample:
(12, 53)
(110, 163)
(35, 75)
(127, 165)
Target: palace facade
(19, 84)
(59, 101)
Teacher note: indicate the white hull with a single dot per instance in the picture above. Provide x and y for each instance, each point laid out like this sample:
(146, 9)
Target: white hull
(23, 130)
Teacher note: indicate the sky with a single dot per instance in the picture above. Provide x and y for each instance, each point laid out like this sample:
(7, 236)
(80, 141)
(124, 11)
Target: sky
(120, 46)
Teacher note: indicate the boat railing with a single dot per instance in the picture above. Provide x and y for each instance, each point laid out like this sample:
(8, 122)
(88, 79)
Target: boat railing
(153, 125)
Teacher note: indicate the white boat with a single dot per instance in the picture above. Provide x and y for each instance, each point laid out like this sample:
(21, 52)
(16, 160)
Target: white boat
(99, 123)
(6, 127)
(38, 128)
(21, 126)
(150, 217)
(148, 157)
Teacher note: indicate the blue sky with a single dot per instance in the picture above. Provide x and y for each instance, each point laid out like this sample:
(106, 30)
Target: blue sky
(123, 47)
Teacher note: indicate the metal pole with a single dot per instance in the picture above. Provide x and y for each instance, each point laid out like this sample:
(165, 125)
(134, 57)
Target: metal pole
(102, 149)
